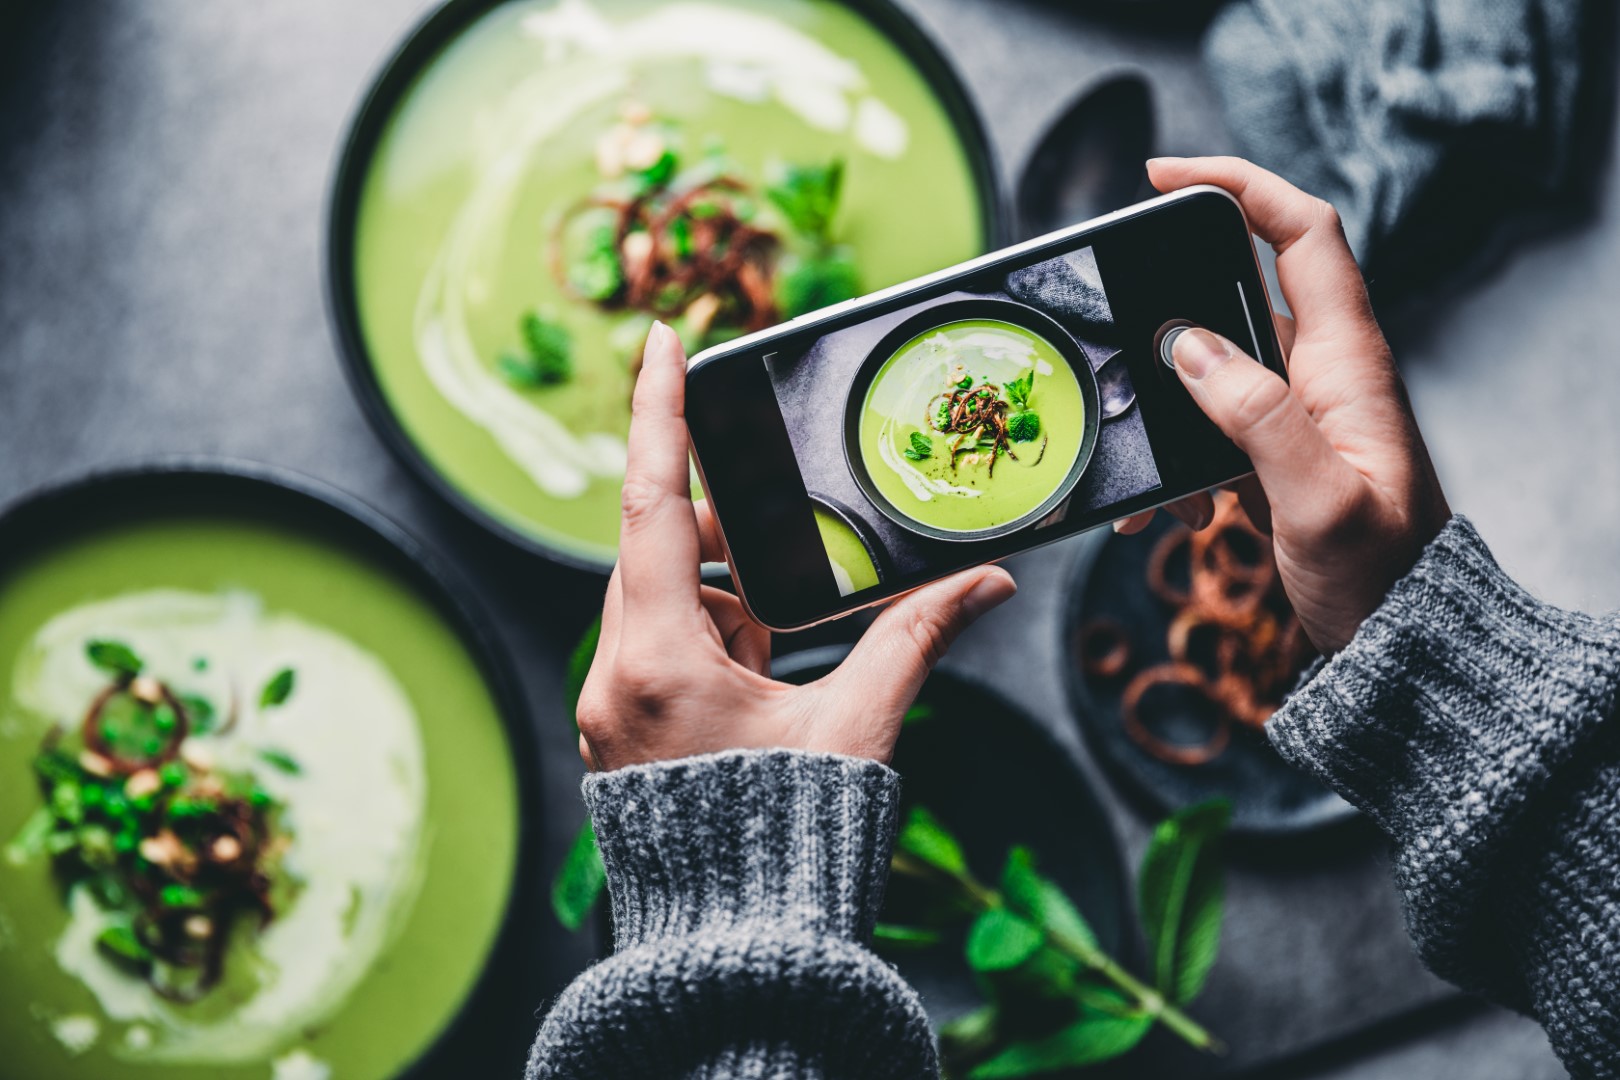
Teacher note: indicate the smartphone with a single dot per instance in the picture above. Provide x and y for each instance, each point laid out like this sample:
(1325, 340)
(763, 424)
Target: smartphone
(865, 449)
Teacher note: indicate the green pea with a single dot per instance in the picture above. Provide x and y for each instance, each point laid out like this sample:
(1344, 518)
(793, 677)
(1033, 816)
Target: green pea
(163, 718)
(173, 774)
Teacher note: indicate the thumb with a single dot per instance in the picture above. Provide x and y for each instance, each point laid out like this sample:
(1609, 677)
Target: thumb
(886, 669)
(1257, 411)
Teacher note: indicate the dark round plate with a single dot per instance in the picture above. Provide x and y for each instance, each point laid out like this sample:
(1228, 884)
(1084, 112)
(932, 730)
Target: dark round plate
(399, 73)
(983, 768)
(325, 532)
(1268, 796)
(990, 308)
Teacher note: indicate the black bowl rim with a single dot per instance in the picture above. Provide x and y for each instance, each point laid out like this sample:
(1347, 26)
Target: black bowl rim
(393, 76)
(420, 568)
(1332, 816)
(990, 308)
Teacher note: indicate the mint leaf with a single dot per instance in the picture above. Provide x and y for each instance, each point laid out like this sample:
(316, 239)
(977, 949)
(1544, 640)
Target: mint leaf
(278, 689)
(115, 658)
(907, 937)
(1019, 389)
(999, 940)
(808, 196)
(579, 881)
(550, 347)
(925, 839)
(1087, 1041)
(1042, 902)
(579, 666)
(922, 444)
(200, 714)
(281, 760)
(1181, 896)
(1023, 426)
(121, 945)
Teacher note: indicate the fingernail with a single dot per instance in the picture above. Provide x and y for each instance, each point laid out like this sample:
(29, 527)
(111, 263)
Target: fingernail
(1197, 352)
(995, 588)
(1118, 525)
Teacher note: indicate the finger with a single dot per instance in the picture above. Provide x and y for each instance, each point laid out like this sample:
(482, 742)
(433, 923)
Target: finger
(1129, 526)
(744, 640)
(1196, 510)
(658, 537)
(1317, 272)
(708, 532)
(884, 671)
(1258, 411)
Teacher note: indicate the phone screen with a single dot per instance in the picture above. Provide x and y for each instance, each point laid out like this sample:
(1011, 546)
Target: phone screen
(976, 414)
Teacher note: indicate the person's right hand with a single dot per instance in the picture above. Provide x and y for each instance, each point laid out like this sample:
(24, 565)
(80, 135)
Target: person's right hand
(1345, 485)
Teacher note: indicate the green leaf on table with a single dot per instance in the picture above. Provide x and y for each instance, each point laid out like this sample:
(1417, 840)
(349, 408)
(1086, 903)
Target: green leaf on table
(971, 1033)
(1181, 896)
(579, 666)
(808, 196)
(1041, 901)
(905, 937)
(115, 658)
(805, 283)
(918, 712)
(278, 689)
(1093, 1038)
(1000, 940)
(579, 881)
(282, 760)
(924, 838)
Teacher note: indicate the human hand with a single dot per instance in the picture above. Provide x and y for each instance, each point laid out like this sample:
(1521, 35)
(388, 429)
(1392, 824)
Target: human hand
(1342, 479)
(681, 669)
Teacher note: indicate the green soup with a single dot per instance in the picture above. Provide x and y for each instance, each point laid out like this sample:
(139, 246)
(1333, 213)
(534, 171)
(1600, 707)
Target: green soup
(392, 772)
(853, 569)
(500, 137)
(948, 479)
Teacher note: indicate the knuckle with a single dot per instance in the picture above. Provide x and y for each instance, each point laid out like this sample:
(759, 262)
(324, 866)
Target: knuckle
(639, 499)
(931, 638)
(1260, 403)
(1328, 217)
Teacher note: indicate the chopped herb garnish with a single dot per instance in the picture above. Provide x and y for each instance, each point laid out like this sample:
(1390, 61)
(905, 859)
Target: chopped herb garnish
(115, 658)
(282, 760)
(1023, 426)
(808, 195)
(278, 689)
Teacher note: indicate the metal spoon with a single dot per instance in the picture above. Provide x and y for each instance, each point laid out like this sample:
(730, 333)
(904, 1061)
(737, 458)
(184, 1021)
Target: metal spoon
(1115, 393)
(1090, 160)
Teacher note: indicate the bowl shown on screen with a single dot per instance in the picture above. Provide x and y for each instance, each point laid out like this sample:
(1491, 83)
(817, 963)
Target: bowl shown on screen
(971, 419)
(529, 183)
(264, 786)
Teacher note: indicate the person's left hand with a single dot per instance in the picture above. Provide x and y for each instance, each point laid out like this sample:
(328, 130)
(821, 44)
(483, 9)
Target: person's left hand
(681, 669)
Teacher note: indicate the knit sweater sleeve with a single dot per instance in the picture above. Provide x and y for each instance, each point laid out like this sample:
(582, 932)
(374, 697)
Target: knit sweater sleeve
(744, 888)
(1478, 728)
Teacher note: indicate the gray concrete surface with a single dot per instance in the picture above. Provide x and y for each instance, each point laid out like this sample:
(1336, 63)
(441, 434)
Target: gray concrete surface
(162, 172)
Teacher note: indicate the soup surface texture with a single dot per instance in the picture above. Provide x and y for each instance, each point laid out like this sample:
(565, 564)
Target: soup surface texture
(386, 761)
(950, 479)
(515, 123)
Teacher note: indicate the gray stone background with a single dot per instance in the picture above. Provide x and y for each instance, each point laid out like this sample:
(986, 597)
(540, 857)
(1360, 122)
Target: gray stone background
(162, 173)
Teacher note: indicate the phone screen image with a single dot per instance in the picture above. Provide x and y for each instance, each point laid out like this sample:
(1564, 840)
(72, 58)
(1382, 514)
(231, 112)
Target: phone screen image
(984, 413)
(964, 417)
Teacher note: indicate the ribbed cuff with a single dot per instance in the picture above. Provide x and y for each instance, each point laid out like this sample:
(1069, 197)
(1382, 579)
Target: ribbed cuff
(776, 835)
(1457, 707)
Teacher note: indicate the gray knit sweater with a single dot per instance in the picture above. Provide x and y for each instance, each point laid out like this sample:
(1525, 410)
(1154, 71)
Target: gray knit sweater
(1471, 722)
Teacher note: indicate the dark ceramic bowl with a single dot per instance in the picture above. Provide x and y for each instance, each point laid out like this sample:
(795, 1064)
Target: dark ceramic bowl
(399, 72)
(494, 1021)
